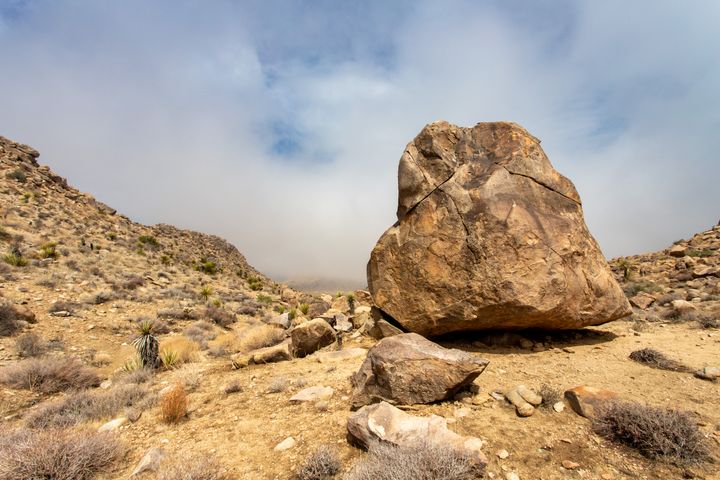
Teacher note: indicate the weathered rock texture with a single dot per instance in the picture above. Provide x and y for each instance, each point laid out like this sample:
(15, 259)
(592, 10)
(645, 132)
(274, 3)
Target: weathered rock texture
(385, 423)
(407, 369)
(489, 235)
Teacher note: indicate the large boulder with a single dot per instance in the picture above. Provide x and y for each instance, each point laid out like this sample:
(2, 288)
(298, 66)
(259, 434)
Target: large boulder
(311, 336)
(489, 235)
(408, 369)
(385, 423)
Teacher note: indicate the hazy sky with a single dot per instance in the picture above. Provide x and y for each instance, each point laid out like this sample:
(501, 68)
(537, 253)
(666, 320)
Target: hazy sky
(279, 124)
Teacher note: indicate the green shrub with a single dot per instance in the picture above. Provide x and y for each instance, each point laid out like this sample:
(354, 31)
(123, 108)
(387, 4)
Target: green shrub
(111, 236)
(700, 253)
(304, 308)
(292, 313)
(205, 292)
(633, 288)
(206, 266)
(48, 250)
(15, 259)
(149, 241)
(17, 175)
(262, 298)
(255, 283)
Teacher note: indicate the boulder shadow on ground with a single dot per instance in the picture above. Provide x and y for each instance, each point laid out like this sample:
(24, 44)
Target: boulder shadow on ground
(524, 341)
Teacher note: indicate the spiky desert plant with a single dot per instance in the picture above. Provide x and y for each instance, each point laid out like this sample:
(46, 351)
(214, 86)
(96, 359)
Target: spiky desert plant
(147, 345)
(205, 292)
(351, 302)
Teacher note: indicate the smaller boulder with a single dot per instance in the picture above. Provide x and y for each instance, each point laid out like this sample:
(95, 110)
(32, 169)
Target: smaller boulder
(150, 461)
(677, 251)
(342, 323)
(408, 369)
(276, 353)
(311, 336)
(312, 394)
(282, 321)
(586, 400)
(383, 422)
(642, 300)
(708, 373)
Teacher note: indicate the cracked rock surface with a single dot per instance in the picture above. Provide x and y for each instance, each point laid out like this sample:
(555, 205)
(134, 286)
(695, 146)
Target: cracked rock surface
(489, 235)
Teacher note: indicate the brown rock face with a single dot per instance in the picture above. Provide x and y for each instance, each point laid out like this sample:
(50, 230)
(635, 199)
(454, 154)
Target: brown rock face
(311, 336)
(407, 369)
(489, 235)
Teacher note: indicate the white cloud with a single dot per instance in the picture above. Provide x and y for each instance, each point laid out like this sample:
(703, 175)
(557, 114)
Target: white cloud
(169, 111)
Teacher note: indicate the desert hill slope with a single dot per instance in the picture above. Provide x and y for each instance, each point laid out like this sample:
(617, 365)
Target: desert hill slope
(77, 280)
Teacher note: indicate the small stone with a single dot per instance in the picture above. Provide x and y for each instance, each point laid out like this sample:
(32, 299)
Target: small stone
(286, 444)
(708, 373)
(313, 394)
(559, 406)
(512, 476)
(502, 454)
(106, 384)
(113, 425)
(150, 461)
(462, 412)
(570, 465)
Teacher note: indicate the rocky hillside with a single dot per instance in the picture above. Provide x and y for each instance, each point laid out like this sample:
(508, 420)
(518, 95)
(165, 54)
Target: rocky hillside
(679, 283)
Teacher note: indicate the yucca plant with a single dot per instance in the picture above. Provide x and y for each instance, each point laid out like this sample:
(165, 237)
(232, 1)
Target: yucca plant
(147, 345)
(351, 302)
(304, 308)
(170, 358)
(205, 292)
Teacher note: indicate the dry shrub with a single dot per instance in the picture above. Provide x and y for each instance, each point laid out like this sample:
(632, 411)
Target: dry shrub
(278, 385)
(655, 359)
(322, 464)
(184, 349)
(707, 321)
(655, 432)
(137, 376)
(192, 467)
(232, 387)
(422, 460)
(173, 405)
(55, 454)
(201, 332)
(62, 306)
(259, 336)
(30, 345)
(49, 375)
(220, 317)
(176, 314)
(9, 323)
(84, 406)
(550, 396)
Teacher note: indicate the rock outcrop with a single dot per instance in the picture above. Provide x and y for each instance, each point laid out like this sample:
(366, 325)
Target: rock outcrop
(489, 235)
(407, 369)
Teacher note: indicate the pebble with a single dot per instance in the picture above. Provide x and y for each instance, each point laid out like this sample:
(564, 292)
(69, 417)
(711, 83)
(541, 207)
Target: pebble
(502, 454)
(512, 476)
(286, 444)
(559, 406)
(570, 465)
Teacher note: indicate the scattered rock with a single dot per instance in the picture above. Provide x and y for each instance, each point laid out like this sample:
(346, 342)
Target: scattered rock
(512, 476)
(642, 300)
(386, 423)
(559, 407)
(312, 394)
(489, 235)
(683, 306)
(113, 425)
(276, 353)
(570, 465)
(25, 314)
(282, 320)
(382, 329)
(523, 408)
(708, 373)
(311, 336)
(286, 444)
(584, 400)
(502, 454)
(150, 461)
(677, 251)
(409, 369)
(529, 396)
(342, 323)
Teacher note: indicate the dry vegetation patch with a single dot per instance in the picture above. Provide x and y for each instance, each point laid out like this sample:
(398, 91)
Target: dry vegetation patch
(49, 375)
(418, 461)
(259, 336)
(655, 432)
(9, 323)
(173, 405)
(193, 467)
(655, 359)
(55, 454)
(83, 406)
(322, 464)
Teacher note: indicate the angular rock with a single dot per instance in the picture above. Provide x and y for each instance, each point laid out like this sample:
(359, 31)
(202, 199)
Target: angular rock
(340, 355)
(150, 461)
(282, 320)
(408, 369)
(380, 329)
(522, 406)
(276, 353)
(113, 425)
(311, 336)
(683, 306)
(383, 422)
(342, 323)
(677, 251)
(312, 394)
(286, 444)
(642, 300)
(25, 314)
(586, 400)
(489, 235)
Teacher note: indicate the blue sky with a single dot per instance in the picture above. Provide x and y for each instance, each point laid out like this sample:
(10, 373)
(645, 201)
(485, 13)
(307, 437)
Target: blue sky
(279, 125)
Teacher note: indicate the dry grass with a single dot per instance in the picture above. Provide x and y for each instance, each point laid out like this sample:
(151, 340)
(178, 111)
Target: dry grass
(56, 455)
(201, 332)
(655, 359)
(173, 405)
(278, 385)
(192, 467)
(655, 432)
(84, 406)
(232, 387)
(184, 349)
(323, 464)
(49, 375)
(259, 336)
(30, 345)
(9, 324)
(419, 461)
(550, 396)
